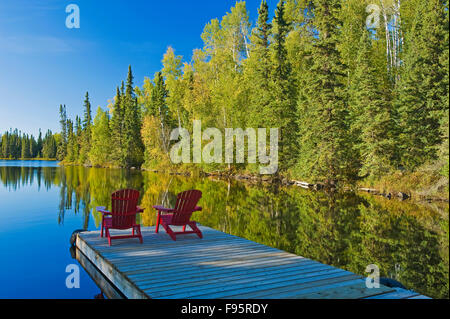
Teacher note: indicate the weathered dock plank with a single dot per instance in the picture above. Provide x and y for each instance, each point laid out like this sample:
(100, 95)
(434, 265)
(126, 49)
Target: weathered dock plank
(218, 266)
(398, 294)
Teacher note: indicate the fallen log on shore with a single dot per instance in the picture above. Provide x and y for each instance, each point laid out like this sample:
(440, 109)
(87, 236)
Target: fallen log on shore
(305, 185)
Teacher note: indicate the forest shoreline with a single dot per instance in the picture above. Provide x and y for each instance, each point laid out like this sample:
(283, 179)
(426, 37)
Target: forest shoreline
(380, 123)
(390, 192)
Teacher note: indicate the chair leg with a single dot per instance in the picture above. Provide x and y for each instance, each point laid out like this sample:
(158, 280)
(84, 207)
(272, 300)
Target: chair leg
(139, 234)
(108, 235)
(103, 225)
(169, 231)
(141, 240)
(158, 221)
(194, 227)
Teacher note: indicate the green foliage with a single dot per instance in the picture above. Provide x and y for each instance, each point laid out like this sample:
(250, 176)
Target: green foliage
(62, 146)
(257, 70)
(371, 124)
(421, 102)
(85, 136)
(324, 139)
(15, 145)
(281, 110)
(116, 125)
(49, 145)
(131, 135)
(173, 88)
(348, 105)
(100, 152)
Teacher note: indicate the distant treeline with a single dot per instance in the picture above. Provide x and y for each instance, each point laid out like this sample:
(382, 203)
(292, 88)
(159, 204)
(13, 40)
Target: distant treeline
(351, 100)
(15, 144)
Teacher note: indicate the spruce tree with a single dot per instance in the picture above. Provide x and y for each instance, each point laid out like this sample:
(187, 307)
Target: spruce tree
(116, 124)
(78, 138)
(371, 123)
(423, 84)
(160, 110)
(39, 145)
(132, 143)
(32, 145)
(444, 58)
(49, 146)
(257, 69)
(282, 108)
(25, 149)
(78, 126)
(86, 133)
(62, 147)
(72, 144)
(4, 146)
(87, 121)
(326, 147)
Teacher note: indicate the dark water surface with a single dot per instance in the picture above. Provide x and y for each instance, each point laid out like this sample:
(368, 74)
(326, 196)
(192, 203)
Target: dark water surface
(41, 204)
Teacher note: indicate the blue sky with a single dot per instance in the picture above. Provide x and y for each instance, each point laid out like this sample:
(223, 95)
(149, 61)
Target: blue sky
(44, 64)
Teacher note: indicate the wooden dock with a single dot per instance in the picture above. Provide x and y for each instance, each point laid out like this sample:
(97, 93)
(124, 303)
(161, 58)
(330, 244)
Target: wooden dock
(218, 266)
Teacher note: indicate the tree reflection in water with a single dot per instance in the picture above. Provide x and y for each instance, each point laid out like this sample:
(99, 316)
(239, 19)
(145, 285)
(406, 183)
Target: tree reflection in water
(408, 241)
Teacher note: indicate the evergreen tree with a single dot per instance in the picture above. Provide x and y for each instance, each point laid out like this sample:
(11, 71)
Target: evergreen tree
(49, 146)
(132, 143)
(87, 120)
(72, 143)
(116, 124)
(444, 58)
(160, 110)
(257, 69)
(371, 123)
(86, 131)
(353, 16)
(282, 108)
(326, 147)
(33, 146)
(78, 138)
(5, 145)
(25, 149)
(62, 147)
(423, 84)
(39, 145)
(78, 126)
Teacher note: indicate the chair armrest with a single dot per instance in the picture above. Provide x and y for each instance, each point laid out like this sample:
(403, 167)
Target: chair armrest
(197, 209)
(163, 209)
(102, 209)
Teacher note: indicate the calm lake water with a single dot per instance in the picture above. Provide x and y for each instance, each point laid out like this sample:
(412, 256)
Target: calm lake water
(41, 204)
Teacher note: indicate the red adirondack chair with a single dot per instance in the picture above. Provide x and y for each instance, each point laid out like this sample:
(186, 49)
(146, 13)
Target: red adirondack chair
(123, 214)
(180, 215)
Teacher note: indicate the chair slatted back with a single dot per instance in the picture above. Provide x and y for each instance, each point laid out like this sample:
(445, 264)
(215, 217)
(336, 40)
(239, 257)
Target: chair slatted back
(124, 203)
(185, 206)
